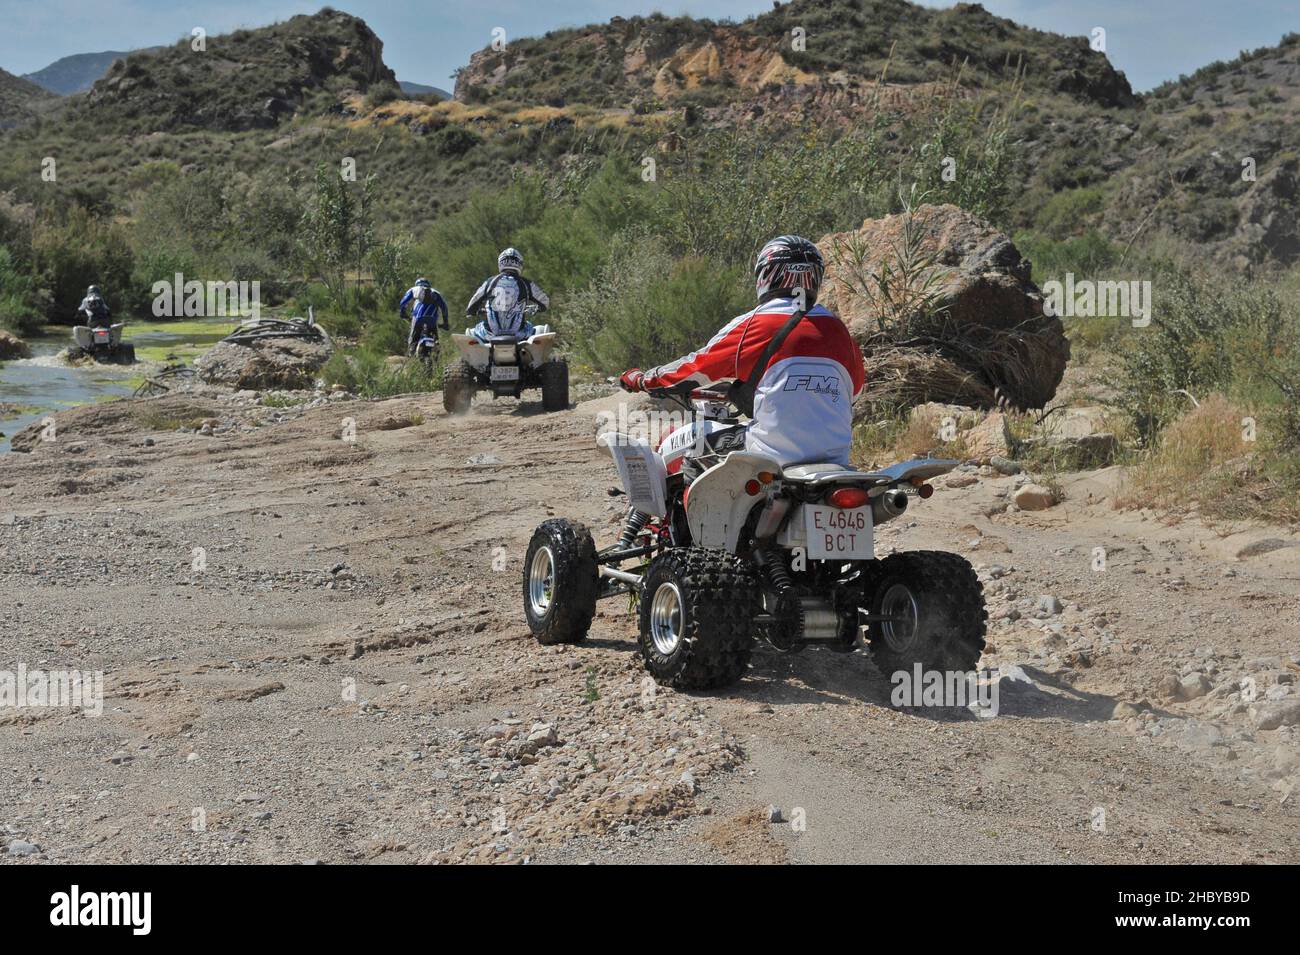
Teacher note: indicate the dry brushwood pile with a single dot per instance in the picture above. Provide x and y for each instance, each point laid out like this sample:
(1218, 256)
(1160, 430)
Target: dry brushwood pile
(944, 309)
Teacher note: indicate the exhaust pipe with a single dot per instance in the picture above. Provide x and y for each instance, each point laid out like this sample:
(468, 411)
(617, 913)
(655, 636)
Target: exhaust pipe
(888, 506)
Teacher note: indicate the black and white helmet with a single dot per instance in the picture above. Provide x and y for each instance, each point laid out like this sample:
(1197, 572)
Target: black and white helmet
(94, 292)
(786, 263)
(422, 283)
(510, 260)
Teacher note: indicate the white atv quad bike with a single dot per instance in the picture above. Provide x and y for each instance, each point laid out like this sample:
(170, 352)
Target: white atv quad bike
(102, 343)
(750, 549)
(505, 365)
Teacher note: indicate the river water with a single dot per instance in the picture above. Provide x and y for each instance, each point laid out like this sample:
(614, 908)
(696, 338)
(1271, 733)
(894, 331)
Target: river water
(31, 388)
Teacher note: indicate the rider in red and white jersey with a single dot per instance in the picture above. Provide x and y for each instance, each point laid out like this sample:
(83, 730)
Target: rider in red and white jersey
(803, 401)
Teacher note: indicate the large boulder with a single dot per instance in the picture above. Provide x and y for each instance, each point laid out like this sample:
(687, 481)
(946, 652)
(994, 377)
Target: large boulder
(960, 323)
(288, 363)
(11, 346)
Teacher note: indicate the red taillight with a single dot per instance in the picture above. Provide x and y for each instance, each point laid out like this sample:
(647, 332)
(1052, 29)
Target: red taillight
(847, 497)
(752, 487)
(925, 490)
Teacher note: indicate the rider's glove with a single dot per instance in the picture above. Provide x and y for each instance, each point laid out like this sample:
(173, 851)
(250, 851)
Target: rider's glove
(633, 380)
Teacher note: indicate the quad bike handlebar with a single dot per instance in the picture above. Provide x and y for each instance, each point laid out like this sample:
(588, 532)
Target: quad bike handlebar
(685, 392)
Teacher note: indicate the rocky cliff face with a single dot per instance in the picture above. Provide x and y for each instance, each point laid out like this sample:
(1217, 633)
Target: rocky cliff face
(836, 43)
(243, 80)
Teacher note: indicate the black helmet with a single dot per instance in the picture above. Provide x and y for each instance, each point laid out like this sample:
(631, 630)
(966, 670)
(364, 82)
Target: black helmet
(787, 263)
(422, 283)
(94, 292)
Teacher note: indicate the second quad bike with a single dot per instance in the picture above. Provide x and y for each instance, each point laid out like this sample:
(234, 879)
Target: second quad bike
(751, 550)
(102, 343)
(506, 366)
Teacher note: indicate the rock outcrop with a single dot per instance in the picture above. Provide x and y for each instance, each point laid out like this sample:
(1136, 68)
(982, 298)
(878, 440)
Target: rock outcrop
(11, 346)
(968, 328)
(266, 363)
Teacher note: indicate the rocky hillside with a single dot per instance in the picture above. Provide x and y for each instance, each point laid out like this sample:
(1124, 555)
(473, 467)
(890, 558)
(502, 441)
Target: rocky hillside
(20, 100)
(1089, 155)
(243, 80)
(842, 44)
(1085, 154)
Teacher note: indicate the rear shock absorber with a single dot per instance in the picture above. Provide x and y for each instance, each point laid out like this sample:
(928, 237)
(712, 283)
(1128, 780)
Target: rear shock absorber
(777, 573)
(632, 524)
(785, 634)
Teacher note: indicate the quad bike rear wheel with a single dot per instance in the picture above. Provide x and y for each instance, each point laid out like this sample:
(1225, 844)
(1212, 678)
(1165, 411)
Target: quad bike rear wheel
(555, 385)
(697, 612)
(937, 608)
(560, 582)
(458, 387)
(125, 353)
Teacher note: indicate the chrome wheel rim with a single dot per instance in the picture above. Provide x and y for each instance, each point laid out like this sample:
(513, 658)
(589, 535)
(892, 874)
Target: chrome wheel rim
(666, 619)
(541, 581)
(899, 605)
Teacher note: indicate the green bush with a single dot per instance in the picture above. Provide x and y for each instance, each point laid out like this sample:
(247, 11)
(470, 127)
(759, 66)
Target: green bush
(19, 311)
(646, 307)
(1209, 335)
(75, 249)
(1067, 213)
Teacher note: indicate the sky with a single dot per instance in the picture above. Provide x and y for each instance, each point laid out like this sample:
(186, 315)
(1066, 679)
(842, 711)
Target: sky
(426, 40)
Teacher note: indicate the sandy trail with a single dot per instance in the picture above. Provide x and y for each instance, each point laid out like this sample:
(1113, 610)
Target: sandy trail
(348, 678)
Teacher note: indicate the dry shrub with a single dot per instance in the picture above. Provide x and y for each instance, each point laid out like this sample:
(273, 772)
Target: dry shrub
(1202, 460)
(901, 437)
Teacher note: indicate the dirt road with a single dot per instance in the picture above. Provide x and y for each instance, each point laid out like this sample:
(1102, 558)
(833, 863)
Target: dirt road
(312, 649)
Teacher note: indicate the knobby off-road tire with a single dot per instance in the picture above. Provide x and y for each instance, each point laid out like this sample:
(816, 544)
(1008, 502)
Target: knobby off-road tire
(697, 615)
(945, 598)
(555, 385)
(125, 354)
(458, 387)
(560, 582)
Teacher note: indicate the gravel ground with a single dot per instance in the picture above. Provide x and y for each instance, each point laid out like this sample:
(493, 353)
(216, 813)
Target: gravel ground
(313, 649)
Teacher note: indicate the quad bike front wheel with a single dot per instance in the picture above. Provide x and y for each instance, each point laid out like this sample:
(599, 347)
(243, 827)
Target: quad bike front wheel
(697, 612)
(934, 609)
(555, 385)
(458, 387)
(560, 582)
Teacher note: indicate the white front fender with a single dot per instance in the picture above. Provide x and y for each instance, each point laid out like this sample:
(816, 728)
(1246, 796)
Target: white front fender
(717, 505)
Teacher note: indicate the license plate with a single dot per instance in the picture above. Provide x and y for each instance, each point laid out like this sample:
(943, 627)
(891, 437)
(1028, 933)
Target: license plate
(505, 372)
(838, 533)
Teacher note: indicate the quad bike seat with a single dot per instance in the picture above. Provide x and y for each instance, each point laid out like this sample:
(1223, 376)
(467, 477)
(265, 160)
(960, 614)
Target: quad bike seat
(830, 472)
(826, 472)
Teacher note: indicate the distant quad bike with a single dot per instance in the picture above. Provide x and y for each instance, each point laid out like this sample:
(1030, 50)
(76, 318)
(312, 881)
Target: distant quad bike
(506, 366)
(102, 343)
(753, 550)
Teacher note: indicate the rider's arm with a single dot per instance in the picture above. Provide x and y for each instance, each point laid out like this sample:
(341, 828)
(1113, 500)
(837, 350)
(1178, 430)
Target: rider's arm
(440, 306)
(406, 300)
(716, 361)
(537, 295)
(476, 300)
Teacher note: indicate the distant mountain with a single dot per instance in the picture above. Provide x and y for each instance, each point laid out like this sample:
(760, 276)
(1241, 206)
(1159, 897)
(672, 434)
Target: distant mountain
(20, 100)
(76, 73)
(419, 89)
